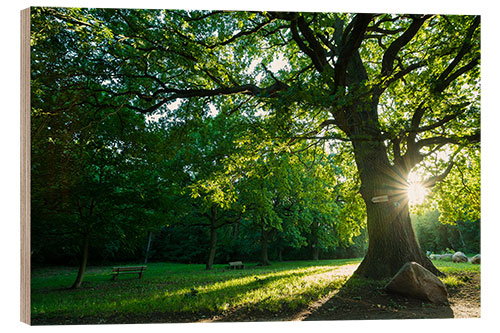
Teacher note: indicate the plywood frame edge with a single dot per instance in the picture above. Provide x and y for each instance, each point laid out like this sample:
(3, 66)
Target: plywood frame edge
(25, 164)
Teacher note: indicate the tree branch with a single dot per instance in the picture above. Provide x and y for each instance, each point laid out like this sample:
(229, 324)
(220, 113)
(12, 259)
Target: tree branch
(352, 43)
(399, 43)
(439, 123)
(430, 182)
(399, 75)
(311, 134)
(243, 33)
(318, 50)
(415, 122)
(466, 46)
(247, 89)
(442, 85)
(303, 47)
(442, 140)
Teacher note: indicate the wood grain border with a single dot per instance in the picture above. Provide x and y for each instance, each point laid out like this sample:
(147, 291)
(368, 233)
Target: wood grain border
(25, 168)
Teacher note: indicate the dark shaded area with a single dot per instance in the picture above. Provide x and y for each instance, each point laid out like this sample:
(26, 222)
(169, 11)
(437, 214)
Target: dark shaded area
(187, 244)
(366, 299)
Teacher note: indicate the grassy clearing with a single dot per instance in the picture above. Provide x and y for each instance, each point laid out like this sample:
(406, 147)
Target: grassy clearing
(191, 290)
(180, 288)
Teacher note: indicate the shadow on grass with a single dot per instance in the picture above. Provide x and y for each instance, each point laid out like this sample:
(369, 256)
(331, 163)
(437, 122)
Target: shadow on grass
(177, 306)
(352, 298)
(360, 298)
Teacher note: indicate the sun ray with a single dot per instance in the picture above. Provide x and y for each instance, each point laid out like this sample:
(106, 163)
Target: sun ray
(416, 193)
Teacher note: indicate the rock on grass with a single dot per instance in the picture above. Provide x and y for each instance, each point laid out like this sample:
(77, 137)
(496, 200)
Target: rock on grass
(416, 281)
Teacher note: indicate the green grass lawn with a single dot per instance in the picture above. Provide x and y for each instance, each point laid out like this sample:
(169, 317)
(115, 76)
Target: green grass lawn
(168, 288)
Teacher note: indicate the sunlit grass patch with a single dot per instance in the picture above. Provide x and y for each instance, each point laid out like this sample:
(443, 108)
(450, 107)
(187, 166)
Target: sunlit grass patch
(451, 267)
(452, 281)
(178, 288)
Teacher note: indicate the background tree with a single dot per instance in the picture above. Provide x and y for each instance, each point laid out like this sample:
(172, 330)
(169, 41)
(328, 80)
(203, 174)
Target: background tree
(440, 237)
(213, 191)
(90, 162)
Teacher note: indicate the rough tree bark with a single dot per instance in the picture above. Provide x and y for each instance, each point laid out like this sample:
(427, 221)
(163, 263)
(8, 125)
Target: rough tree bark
(392, 241)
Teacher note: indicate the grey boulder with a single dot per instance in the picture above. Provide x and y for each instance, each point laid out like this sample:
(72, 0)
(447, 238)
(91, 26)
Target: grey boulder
(416, 281)
(459, 257)
(476, 259)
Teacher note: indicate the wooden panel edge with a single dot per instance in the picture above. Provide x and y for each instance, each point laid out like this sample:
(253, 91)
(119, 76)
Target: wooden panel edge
(25, 164)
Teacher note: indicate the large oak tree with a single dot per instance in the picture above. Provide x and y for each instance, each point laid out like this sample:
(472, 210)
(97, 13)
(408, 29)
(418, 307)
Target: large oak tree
(396, 89)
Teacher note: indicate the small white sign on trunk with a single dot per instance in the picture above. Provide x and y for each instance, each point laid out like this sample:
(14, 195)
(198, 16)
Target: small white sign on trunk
(382, 198)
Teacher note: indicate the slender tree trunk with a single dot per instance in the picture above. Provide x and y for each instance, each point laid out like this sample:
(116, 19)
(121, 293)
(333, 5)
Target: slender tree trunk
(150, 235)
(235, 230)
(392, 241)
(213, 241)
(315, 252)
(314, 245)
(461, 237)
(264, 238)
(84, 254)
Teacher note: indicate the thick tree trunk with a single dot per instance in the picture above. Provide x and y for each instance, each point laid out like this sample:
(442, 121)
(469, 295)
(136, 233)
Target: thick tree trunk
(84, 254)
(264, 259)
(392, 241)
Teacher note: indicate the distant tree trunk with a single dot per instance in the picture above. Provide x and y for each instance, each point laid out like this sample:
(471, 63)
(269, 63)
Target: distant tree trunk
(84, 254)
(461, 237)
(279, 246)
(235, 230)
(315, 252)
(392, 241)
(150, 235)
(314, 245)
(84, 250)
(264, 238)
(213, 239)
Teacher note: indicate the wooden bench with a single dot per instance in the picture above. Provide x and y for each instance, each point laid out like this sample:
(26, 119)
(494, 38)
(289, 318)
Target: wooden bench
(128, 270)
(236, 264)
